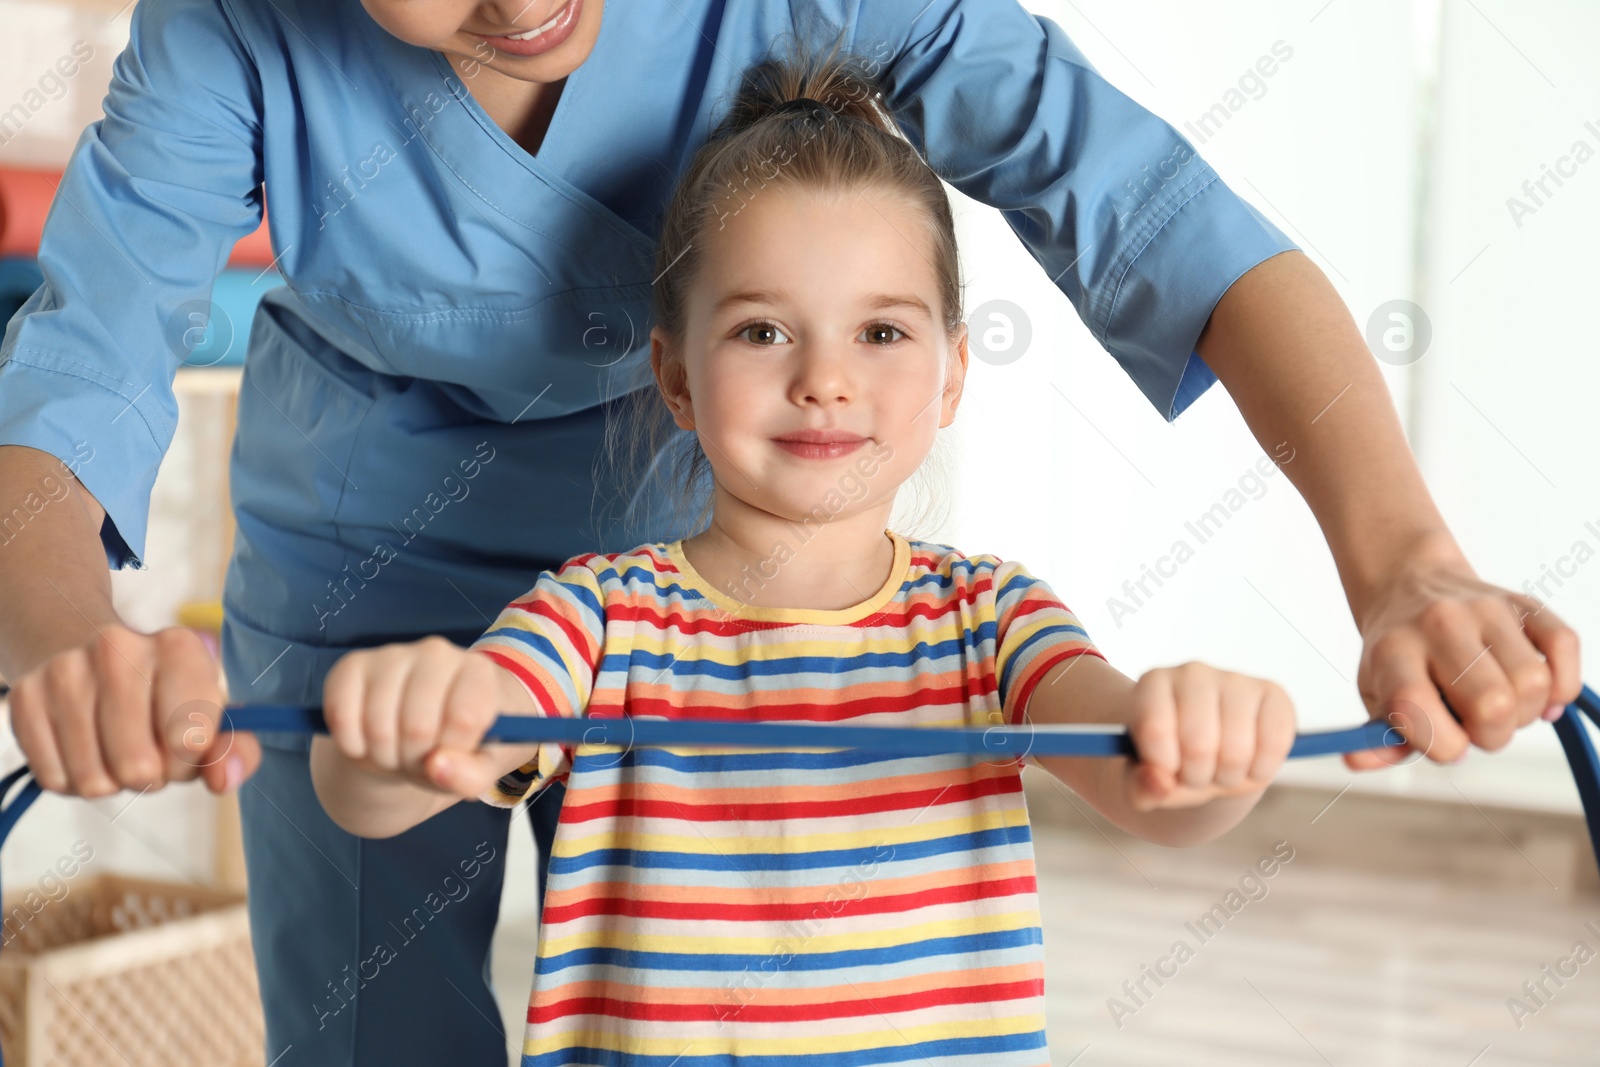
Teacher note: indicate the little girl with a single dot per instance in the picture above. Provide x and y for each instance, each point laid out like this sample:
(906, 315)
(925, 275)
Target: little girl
(740, 905)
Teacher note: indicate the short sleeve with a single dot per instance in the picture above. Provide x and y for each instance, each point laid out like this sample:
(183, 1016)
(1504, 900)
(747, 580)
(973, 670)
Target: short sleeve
(1034, 631)
(551, 639)
(1137, 230)
(152, 201)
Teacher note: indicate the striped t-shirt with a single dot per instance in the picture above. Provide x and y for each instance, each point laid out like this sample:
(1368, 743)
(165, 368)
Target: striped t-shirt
(742, 906)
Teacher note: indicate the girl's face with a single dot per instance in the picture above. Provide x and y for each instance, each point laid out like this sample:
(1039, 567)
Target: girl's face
(815, 311)
(474, 33)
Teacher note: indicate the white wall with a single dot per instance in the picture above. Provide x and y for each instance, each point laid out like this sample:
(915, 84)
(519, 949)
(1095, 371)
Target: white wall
(1090, 492)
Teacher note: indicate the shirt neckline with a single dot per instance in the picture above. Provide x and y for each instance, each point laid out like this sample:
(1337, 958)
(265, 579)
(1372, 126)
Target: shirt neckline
(899, 572)
(458, 138)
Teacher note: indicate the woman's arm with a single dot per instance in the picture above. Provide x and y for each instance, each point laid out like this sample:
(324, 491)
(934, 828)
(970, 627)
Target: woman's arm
(1209, 743)
(1284, 345)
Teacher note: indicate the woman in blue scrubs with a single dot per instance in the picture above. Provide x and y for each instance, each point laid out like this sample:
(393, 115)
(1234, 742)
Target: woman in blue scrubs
(466, 224)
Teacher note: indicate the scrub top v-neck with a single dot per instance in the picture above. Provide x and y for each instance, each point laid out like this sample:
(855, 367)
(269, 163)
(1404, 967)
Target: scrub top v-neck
(423, 402)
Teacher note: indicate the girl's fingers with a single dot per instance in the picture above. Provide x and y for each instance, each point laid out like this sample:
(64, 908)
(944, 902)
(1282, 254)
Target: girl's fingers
(1148, 787)
(1199, 724)
(430, 672)
(1275, 727)
(470, 774)
(1153, 721)
(385, 680)
(471, 704)
(343, 692)
(1238, 717)
(1203, 733)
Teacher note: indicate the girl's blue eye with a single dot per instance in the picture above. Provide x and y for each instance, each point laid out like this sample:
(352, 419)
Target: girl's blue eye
(763, 326)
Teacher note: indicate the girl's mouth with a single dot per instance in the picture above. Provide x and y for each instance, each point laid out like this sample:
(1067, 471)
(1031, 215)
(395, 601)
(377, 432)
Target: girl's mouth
(540, 39)
(819, 446)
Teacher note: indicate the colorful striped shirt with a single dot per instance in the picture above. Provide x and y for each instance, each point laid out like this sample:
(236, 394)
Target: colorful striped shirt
(753, 907)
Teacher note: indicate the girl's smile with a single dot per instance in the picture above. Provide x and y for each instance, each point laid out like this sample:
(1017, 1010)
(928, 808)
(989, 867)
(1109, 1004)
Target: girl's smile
(820, 444)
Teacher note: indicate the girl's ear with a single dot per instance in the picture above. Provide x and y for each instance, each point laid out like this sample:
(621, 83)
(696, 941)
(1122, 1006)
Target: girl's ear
(957, 377)
(670, 379)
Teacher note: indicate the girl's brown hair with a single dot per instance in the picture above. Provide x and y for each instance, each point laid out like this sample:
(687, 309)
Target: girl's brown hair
(851, 143)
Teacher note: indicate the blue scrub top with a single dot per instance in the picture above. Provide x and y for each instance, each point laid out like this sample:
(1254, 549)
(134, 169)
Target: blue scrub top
(423, 402)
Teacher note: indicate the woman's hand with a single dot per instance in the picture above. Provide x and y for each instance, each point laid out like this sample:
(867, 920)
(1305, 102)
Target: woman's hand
(419, 711)
(128, 710)
(1500, 658)
(1204, 733)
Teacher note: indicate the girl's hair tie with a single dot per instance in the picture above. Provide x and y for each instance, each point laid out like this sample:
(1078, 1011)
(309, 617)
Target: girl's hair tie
(800, 103)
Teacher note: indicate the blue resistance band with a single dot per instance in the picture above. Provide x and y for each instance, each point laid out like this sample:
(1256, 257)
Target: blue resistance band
(1000, 741)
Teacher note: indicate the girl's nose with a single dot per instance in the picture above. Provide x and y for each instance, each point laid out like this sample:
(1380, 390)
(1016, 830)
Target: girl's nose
(822, 376)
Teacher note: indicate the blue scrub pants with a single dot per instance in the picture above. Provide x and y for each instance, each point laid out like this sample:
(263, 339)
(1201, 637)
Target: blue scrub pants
(377, 951)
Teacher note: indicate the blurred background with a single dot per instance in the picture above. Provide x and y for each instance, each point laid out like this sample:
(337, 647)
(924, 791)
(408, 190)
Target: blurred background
(1440, 161)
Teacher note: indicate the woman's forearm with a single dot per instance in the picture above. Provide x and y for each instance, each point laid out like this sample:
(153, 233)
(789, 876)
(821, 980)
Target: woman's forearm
(1286, 348)
(54, 580)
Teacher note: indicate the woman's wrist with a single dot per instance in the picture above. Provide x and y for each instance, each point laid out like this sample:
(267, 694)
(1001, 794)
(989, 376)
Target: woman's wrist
(1373, 569)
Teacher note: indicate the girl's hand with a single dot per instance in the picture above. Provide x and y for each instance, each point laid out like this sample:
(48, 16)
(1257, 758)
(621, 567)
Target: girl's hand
(1204, 733)
(419, 711)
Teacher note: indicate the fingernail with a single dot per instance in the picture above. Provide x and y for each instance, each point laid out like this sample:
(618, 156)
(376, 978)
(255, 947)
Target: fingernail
(1553, 712)
(1461, 758)
(233, 774)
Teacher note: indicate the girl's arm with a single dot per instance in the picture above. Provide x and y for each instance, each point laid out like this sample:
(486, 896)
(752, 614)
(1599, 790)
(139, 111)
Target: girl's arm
(1209, 741)
(404, 725)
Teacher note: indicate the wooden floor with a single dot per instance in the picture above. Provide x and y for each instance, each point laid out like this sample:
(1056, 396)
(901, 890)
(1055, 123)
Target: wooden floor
(1382, 942)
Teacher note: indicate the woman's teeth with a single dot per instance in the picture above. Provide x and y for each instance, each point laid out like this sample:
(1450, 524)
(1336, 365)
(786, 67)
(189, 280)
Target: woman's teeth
(536, 31)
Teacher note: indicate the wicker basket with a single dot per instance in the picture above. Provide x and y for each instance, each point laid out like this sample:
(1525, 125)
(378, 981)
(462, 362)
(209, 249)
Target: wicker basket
(127, 971)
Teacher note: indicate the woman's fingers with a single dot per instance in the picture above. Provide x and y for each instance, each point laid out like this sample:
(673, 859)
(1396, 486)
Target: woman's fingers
(1396, 686)
(36, 735)
(1557, 645)
(124, 671)
(1439, 635)
(72, 695)
(188, 708)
